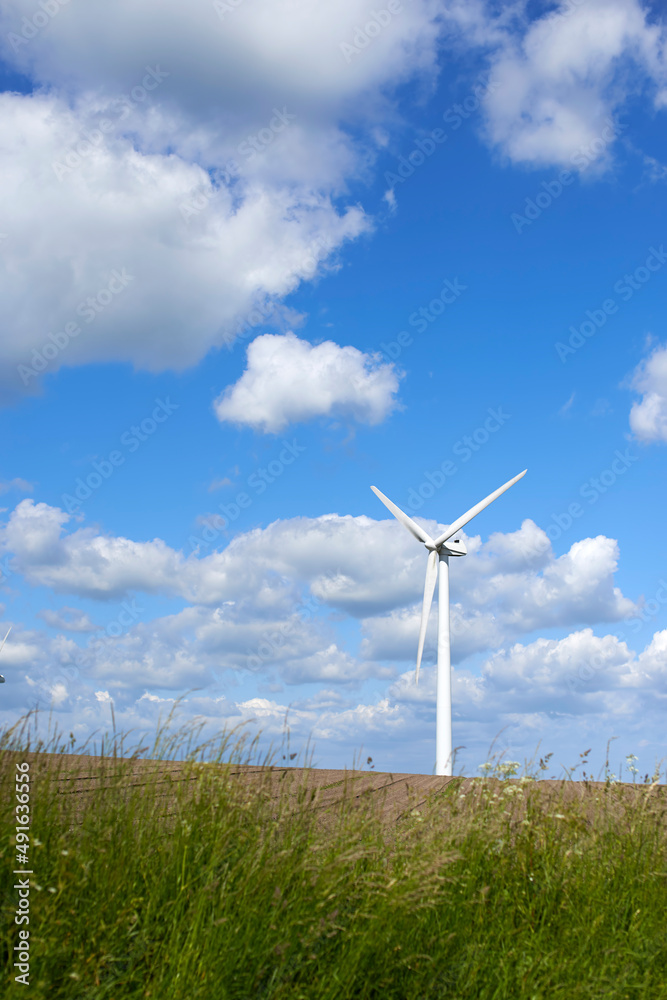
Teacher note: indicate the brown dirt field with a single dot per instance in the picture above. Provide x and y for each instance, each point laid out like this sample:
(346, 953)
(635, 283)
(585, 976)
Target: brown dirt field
(394, 795)
(79, 775)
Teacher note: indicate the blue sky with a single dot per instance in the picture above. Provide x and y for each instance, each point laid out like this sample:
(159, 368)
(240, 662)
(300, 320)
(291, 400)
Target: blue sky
(259, 256)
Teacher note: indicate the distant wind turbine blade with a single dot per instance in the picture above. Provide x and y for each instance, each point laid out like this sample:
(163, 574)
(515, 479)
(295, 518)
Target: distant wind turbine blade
(429, 587)
(406, 521)
(5, 639)
(474, 511)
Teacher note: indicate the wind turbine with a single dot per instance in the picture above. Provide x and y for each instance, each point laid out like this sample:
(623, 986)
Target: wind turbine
(439, 551)
(2, 679)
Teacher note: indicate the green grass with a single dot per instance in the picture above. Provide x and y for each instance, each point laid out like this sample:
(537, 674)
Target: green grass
(494, 890)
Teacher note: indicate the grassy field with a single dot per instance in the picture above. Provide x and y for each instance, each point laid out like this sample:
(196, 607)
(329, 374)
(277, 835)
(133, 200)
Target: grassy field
(499, 888)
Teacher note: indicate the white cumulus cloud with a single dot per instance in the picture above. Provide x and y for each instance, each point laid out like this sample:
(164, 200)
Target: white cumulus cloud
(165, 288)
(288, 380)
(648, 417)
(204, 159)
(370, 570)
(559, 79)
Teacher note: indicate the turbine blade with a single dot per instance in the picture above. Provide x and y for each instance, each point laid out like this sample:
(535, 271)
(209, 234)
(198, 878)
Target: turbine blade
(5, 639)
(474, 511)
(429, 587)
(401, 516)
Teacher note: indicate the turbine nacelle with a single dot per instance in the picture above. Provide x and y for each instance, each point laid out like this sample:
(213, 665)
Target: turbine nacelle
(453, 547)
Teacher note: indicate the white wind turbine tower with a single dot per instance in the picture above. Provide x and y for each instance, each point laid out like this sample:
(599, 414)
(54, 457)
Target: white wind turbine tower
(2, 679)
(439, 551)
